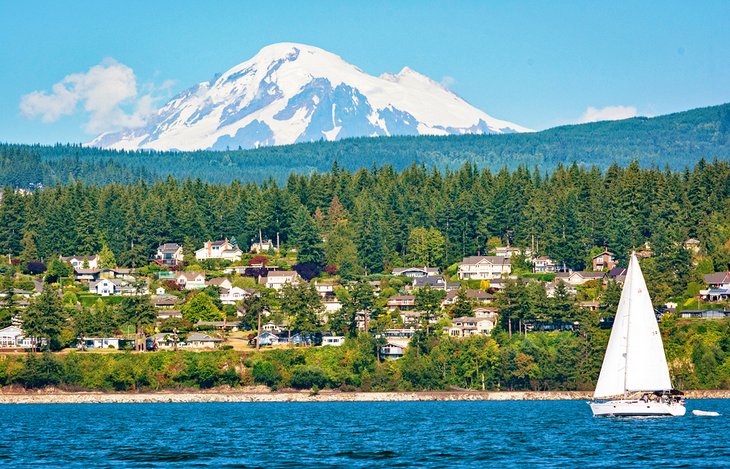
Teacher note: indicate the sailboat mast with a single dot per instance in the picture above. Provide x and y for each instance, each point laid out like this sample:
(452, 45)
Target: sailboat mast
(628, 325)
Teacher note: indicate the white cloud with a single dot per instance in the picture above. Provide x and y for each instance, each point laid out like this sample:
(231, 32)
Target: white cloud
(107, 93)
(448, 81)
(608, 113)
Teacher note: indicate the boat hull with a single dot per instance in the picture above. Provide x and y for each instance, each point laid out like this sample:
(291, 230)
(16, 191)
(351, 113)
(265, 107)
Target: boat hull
(636, 408)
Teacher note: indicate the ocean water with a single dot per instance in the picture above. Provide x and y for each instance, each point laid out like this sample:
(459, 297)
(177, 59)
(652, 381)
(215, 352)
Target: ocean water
(357, 434)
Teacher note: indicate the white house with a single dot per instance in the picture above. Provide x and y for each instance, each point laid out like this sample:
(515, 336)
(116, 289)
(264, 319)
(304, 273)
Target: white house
(191, 280)
(230, 296)
(466, 326)
(169, 254)
(114, 286)
(11, 337)
(544, 264)
(221, 249)
(194, 340)
(392, 351)
(484, 267)
(579, 277)
(276, 280)
(334, 340)
(510, 251)
(263, 246)
(82, 262)
(99, 342)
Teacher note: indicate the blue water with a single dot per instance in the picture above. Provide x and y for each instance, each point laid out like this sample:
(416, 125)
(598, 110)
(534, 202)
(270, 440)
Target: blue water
(353, 434)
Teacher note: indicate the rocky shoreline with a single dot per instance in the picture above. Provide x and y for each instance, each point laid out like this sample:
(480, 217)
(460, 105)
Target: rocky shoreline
(53, 396)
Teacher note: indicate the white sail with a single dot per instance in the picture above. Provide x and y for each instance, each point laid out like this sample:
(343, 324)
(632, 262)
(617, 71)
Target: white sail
(635, 359)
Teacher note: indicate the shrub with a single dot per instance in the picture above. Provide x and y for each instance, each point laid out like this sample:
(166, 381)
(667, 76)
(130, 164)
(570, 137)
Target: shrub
(266, 373)
(305, 377)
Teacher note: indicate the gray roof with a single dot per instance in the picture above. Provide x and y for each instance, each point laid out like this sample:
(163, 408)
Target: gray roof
(717, 278)
(169, 247)
(491, 259)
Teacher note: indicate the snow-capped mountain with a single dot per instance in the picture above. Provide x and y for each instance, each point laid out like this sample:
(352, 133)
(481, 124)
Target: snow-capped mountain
(290, 93)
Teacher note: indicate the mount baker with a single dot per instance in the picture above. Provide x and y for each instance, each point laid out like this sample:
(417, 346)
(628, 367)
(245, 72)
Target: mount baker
(290, 93)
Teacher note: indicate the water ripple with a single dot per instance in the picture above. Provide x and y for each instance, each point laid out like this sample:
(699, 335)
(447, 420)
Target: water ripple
(357, 435)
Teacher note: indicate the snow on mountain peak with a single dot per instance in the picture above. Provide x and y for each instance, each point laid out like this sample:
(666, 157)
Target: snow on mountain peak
(289, 93)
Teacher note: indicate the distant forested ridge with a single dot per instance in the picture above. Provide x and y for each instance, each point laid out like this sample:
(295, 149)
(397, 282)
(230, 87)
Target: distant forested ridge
(676, 140)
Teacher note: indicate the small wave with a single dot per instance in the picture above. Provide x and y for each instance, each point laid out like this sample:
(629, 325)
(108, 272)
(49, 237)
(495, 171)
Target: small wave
(371, 455)
(154, 456)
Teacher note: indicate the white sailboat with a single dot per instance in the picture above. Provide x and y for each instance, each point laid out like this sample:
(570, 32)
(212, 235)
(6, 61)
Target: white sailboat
(634, 379)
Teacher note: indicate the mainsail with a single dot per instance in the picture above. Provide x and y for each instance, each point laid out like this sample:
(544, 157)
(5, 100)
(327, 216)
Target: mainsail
(635, 359)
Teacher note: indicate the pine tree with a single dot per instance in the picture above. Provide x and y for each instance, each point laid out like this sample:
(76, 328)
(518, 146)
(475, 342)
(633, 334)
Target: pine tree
(44, 319)
(106, 257)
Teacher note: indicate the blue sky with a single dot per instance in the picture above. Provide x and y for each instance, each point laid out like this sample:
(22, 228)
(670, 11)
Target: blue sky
(537, 63)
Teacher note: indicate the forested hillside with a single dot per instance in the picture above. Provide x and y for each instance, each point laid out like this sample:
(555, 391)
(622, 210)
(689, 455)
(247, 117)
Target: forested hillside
(676, 140)
(372, 220)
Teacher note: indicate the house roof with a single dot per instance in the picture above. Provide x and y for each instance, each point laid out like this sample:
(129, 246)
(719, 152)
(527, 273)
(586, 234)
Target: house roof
(426, 270)
(473, 260)
(616, 271)
(434, 280)
(190, 275)
(604, 253)
(218, 282)
(402, 298)
(581, 273)
(717, 278)
(283, 273)
(79, 258)
(473, 294)
(470, 319)
(169, 247)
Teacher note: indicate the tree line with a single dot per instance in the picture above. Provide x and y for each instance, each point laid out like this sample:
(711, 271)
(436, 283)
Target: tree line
(368, 221)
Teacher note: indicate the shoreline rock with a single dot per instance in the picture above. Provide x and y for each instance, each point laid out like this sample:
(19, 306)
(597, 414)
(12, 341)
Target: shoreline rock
(93, 397)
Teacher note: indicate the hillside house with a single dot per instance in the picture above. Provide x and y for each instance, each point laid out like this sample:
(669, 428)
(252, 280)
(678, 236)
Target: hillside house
(114, 286)
(169, 254)
(392, 351)
(717, 280)
(230, 296)
(692, 245)
(484, 267)
(194, 340)
(326, 289)
(221, 249)
(401, 302)
(190, 280)
(263, 246)
(470, 325)
(509, 251)
(544, 264)
(82, 262)
(478, 296)
(604, 261)
(575, 278)
(333, 340)
(276, 280)
(220, 282)
(434, 281)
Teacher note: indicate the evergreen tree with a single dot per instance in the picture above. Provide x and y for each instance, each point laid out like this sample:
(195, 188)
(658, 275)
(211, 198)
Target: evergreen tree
(306, 237)
(106, 257)
(201, 308)
(44, 319)
(9, 305)
(303, 305)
